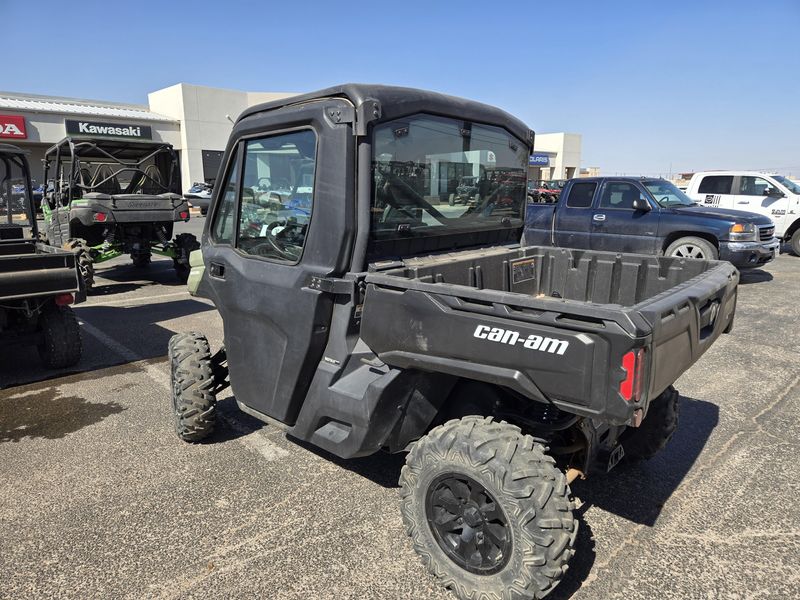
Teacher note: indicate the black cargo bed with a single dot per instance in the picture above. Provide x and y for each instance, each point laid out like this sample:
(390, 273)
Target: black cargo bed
(28, 269)
(423, 312)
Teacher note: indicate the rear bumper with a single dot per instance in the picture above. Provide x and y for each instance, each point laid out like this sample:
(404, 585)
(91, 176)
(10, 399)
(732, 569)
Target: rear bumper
(86, 215)
(747, 255)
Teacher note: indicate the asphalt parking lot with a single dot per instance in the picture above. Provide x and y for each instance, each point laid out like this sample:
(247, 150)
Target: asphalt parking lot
(99, 498)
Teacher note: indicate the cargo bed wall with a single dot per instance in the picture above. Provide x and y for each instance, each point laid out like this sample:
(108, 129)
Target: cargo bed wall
(581, 275)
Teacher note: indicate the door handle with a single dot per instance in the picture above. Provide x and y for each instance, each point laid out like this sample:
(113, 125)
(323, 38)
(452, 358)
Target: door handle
(599, 217)
(217, 270)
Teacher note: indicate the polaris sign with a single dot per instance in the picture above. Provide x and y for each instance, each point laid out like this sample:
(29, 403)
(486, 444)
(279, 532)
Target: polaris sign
(117, 130)
(537, 159)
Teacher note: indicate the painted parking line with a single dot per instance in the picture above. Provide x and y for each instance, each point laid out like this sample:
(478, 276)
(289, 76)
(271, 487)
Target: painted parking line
(159, 374)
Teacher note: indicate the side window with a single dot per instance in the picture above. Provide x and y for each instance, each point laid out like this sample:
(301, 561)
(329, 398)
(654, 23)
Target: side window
(581, 194)
(716, 184)
(619, 195)
(277, 195)
(225, 217)
(754, 186)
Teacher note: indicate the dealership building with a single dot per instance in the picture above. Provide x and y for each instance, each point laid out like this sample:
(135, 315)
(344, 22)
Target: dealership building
(196, 120)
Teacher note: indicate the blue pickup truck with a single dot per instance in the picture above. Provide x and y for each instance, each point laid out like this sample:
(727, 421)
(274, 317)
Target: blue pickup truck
(648, 216)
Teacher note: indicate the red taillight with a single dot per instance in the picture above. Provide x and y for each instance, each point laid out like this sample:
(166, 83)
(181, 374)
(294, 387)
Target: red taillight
(185, 215)
(100, 217)
(64, 299)
(630, 388)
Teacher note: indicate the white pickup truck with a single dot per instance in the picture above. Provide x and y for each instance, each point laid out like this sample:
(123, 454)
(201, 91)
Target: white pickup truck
(772, 195)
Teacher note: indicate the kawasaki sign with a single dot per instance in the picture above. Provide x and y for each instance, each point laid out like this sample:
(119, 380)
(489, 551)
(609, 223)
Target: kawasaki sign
(117, 130)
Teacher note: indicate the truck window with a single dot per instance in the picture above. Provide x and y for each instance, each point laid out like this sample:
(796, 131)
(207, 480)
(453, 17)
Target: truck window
(753, 186)
(716, 184)
(224, 217)
(277, 195)
(581, 194)
(444, 179)
(619, 195)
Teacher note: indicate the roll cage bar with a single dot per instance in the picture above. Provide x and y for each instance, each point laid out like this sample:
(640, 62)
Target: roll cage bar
(13, 156)
(114, 151)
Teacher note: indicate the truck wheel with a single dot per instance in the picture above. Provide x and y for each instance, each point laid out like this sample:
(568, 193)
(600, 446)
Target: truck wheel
(193, 405)
(692, 247)
(85, 262)
(184, 243)
(656, 430)
(795, 243)
(487, 510)
(61, 337)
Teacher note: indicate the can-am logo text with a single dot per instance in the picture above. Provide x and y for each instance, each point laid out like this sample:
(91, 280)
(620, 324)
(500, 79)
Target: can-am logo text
(12, 126)
(512, 338)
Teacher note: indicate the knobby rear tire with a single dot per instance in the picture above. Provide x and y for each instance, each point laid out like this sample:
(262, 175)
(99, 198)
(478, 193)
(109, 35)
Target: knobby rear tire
(523, 480)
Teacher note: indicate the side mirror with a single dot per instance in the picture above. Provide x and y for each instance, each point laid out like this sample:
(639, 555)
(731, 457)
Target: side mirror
(773, 192)
(641, 204)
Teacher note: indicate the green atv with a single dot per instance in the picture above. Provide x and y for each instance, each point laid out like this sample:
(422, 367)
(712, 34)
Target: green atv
(110, 197)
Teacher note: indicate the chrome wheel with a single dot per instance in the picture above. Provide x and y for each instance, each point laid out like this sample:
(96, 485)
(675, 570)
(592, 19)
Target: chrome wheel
(689, 251)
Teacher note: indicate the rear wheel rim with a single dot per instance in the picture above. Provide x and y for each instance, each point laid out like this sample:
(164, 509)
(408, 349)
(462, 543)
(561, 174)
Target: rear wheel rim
(468, 524)
(689, 251)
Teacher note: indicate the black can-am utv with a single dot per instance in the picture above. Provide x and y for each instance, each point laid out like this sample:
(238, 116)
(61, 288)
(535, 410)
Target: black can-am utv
(364, 313)
(37, 282)
(108, 197)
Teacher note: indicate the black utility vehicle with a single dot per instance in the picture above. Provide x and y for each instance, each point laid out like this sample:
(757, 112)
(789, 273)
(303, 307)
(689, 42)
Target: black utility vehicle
(384, 323)
(108, 197)
(37, 282)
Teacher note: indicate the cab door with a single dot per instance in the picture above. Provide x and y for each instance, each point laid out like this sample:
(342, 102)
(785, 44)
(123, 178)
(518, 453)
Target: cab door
(572, 225)
(617, 226)
(716, 191)
(760, 195)
(282, 217)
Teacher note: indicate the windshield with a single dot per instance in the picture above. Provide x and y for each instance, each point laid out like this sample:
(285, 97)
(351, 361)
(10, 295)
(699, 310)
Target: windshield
(787, 183)
(14, 192)
(667, 194)
(438, 177)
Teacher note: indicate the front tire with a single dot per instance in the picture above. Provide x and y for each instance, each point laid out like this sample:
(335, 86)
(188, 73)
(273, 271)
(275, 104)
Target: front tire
(61, 344)
(488, 511)
(794, 243)
(692, 247)
(657, 429)
(193, 402)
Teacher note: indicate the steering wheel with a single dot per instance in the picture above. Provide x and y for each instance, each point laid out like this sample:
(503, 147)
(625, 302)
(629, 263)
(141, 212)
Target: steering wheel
(265, 186)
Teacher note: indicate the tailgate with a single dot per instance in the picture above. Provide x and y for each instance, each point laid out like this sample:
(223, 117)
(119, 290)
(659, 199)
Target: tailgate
(686, 320)
(540, 354)
(41, 274)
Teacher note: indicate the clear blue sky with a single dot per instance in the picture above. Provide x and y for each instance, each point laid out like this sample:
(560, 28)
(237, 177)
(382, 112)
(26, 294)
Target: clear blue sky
(689, 84)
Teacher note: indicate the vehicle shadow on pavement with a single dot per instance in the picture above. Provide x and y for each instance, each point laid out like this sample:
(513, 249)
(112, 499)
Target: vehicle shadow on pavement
(637, 491)
(138, 327)
(754, 276)
(115, 288)
(46, 414)
(159, 271)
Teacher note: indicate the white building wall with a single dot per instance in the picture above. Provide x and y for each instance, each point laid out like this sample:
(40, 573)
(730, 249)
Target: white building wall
(567, 150)
(206, 115)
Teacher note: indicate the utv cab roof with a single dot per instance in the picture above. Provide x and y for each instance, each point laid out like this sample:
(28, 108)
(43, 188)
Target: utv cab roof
(376, 103)
(102, 148)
